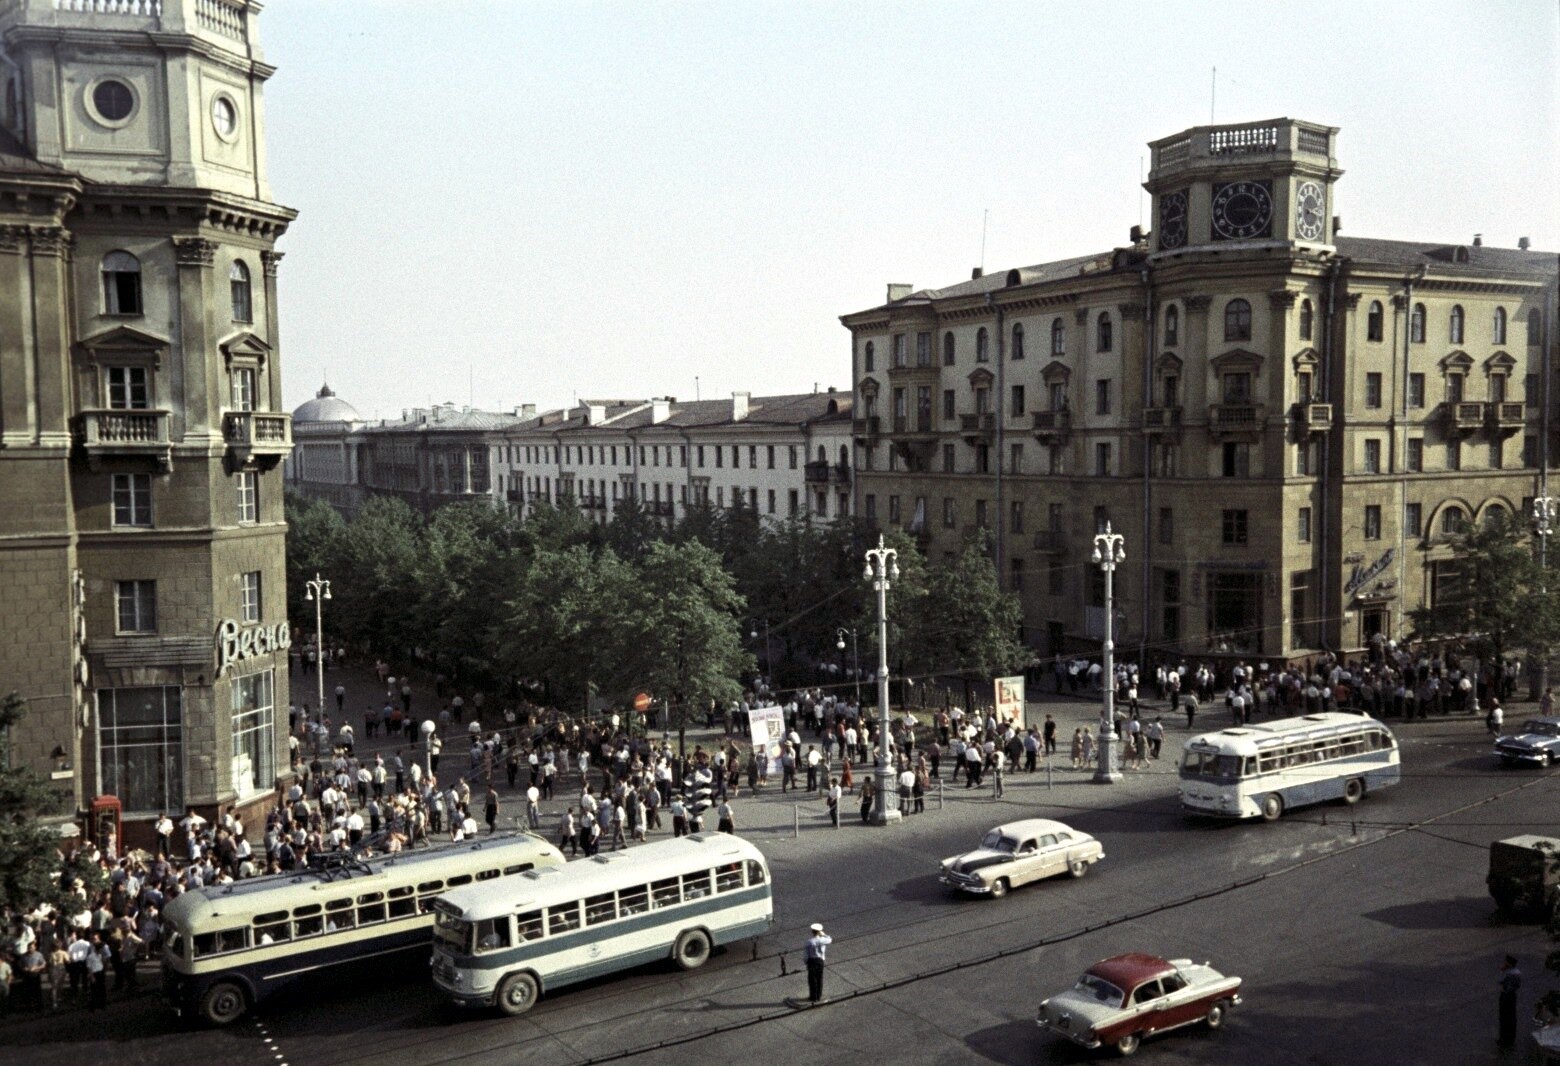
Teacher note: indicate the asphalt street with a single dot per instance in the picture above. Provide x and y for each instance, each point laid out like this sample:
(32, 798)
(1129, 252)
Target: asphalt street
(1364, 935)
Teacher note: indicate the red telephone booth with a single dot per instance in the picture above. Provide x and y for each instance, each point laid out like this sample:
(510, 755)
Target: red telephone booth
(103, 821)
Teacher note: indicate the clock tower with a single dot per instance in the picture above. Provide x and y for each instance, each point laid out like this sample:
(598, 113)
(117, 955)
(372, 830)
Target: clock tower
(1257, 183)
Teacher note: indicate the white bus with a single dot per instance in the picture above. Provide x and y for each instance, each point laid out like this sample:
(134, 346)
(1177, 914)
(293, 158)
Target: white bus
(1263, 769)
(505, 943)
(227, 947)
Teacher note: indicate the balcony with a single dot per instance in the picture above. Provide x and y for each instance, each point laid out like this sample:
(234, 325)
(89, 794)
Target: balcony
(1464, 416)
(867, 427)
(661, 507)
(1507, 416)
(978, 426)
(916, 424)
(821, 472)
(127, 434)
(1236, 419)
(1053, 426)
(256, 438)
(514, 495)
(1314, 417)
(1050, 541)
(1162, 420)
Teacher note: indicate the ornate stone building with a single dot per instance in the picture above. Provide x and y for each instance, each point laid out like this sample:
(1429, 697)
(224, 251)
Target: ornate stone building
(141, 540)
(1286, 423)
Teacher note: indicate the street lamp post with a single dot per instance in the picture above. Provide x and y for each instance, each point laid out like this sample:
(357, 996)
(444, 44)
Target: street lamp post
(769, 652)
(855, 655)
(1544, 514)
(883, 567)
(318, 591)
(1108, 551)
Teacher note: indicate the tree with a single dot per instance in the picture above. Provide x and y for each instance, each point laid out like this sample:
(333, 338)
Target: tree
(375, 598)
(28, 850)
(687, 642)
(632, 530)
(971, 626)
(314, 533)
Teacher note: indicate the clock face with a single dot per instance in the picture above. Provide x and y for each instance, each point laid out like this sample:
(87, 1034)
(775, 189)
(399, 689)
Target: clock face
(1242, 209)
(1172, 220)
(1309, 208)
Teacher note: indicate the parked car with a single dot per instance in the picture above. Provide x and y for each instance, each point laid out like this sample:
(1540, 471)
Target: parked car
(1538, 742)
(1116, 1003)
(1018, 853)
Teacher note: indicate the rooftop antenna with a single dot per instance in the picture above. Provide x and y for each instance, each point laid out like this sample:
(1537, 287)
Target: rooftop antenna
(695, 386)
(1213, 94)
(985, 213)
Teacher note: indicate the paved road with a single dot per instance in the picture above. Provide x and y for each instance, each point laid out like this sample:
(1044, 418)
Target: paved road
(1364, 935)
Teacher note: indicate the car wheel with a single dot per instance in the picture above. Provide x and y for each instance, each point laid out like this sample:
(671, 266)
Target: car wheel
(223, 1003)
(1549, 758)
(692, 949)
(517, 993)
(1078, 867)
(1353, 791)
(1507, 762)
(1216, 1014)
(999, 888)
(1272, 807)
(1127, 1044)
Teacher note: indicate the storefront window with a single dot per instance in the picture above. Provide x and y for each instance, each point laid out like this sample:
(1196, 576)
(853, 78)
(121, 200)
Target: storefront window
(254, 733)
(140, 750)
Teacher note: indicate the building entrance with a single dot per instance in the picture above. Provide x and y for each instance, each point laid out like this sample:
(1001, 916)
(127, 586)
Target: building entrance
(1235, 612)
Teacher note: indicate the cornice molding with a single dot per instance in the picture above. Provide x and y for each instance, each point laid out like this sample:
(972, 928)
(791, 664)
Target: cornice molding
(49, 240)
(194, 251)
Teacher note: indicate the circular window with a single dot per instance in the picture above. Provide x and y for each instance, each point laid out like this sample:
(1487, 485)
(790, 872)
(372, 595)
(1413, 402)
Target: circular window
(113, 100)
(224, 116)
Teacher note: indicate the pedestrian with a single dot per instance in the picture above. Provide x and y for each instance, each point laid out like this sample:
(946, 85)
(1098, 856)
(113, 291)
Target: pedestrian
(725, 821)
(815, 950)
(568, 834)
(1088, 749)
(1156, 737)
(1050, 735)
(1510, 985)
(868, 790)
(1495, 718)
(1191, 708)
(1077, 747)
(97, 972)
(490, 810)
(835, 794)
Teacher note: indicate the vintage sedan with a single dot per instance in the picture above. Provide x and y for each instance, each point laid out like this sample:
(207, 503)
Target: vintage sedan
(1019, 852)
(1116, 1003)
(1537, 743)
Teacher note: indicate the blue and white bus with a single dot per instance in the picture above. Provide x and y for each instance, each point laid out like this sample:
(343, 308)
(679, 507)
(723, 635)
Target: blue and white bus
(227, 947)
(1263, 769)
(506, 942)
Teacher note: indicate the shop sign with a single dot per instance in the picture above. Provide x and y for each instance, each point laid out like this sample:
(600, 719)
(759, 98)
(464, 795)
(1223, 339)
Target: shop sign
(1360, 577)
(235, 645)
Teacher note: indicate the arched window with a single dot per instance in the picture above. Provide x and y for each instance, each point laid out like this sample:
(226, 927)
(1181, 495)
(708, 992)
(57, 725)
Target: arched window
(1416, 324)
(823, 454)
(844, 457)
(1058, 337)
(1102, 332)
(1535, 327)
(1018, 340)
(1494, 515)
(121, 284)
(238, 282)
(948, 349)
(1172, 326)
(869, 358)
(1373, 322)
(1500, 326)
(1453, 521)
(980, 345)
(1307, 317)
(1454, 327)
(1237, 320)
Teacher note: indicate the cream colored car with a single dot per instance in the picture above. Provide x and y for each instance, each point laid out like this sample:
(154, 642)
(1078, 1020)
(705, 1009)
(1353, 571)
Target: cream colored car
(1019, 852)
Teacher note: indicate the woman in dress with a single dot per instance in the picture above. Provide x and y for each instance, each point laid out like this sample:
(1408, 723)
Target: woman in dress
(846, 781)
(1077, 748)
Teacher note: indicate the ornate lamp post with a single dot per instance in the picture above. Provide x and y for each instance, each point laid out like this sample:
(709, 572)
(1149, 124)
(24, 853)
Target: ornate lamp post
(1109, 550)
(882, 568)
(769, 652)
(855, 654)
(318, 591)
(1544, 515)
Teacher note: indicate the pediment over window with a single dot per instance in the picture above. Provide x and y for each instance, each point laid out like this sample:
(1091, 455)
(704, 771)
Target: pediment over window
(1458, 362)
(1056, 370)
(245, 347)
(1168, 363)
(868, 387)
(1499, 363)
(981, 378)
(1306, 359)
(1236, 359)
(121, 342)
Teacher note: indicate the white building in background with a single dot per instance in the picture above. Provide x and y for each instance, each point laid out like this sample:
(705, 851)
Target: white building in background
(780, 455)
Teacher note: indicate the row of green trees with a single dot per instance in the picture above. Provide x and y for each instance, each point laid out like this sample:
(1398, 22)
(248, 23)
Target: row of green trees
(581, 608)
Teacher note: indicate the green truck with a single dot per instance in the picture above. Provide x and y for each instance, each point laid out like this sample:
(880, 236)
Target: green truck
(1524, 875)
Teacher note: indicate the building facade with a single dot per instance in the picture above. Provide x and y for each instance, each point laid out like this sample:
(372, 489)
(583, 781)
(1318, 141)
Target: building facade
(142, 540)
(1286, 424)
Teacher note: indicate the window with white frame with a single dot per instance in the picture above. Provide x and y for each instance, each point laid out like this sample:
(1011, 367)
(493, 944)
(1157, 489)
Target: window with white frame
(132, 500)
(243, 387)
(238, 286)
(254, 733)
(121, 284)
(136, 604)
(247, 484)
(129, 388)
(249, 606)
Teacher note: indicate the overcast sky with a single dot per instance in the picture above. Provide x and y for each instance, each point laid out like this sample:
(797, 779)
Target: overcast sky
(529, 202)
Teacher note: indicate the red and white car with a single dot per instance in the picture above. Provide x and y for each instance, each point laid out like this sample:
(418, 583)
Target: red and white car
(1116, 1003)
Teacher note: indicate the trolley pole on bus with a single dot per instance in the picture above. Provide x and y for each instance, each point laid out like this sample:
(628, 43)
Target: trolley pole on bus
(883, 567)
(1109, 550)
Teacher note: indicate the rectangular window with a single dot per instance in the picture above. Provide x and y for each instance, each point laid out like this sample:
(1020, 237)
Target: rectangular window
(137, 606)
(1016, 516)
(1234, 527)
(1237, 459)
(132, 500)
(1416, 390)
(980, 514)
(1305, 459)
(1372, 457)
(869, 503)
(1497, 454)
(947, 458)
(948, 405)
(752, 457)
(244, 389)
(1166, 525)
(1055, 578)
(795, 503)
(1414, 454)
(1413, 520)
(1303, 525)
(254, 732)
(247, 485)
(1373, 390)
(923, 349)
(1016, 458)
(1102, 396)
(770, 451)
(983, 458)
(792, 451)
(140, 747)
(1373, 521)
(720, 457)
(949, 512)
(1016, 408)
(1101, 518)
(249, 606)
(1016, 574)
(1530, 450)
(899, 349)
(1454, 455)
(698, 453)
(894, 515)
(128, 388)
(771, 501)
(1102, 459)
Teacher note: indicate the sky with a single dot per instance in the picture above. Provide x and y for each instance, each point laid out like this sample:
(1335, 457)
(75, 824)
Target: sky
(507, 203)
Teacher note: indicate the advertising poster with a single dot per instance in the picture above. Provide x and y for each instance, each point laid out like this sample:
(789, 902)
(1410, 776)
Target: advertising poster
(768, 728)
(1010, 699)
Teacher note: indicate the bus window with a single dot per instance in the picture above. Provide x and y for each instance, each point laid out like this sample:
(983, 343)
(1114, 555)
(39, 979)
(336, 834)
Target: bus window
(696, 886)
(313, 926)
(519, 868)
(529, 925)
(492, 934)
(728, 878)
(430, 888)
(486, 875)
(173, 940)
(462, 879)
(220, 942)
(371, 908)
(402, 903)
(600, 909)
(755, 871)
(562, 918)
(665, 893)
(272, 928)
(634, 900)
(338, 915)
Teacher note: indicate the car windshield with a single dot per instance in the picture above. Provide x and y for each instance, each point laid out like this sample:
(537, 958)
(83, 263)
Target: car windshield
(995, 841)
(1099, 989)
(1548, 729)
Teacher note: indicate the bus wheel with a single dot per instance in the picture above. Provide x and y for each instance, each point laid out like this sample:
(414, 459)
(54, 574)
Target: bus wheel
(517, 993)
(223, 1003)
(692, 949)
(1353, 791)
(1272, 807)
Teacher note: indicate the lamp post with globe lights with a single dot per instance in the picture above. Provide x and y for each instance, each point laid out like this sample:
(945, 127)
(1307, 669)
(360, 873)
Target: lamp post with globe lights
(855, 655)
(883, 568)
(1109, 549)
(317, 591)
